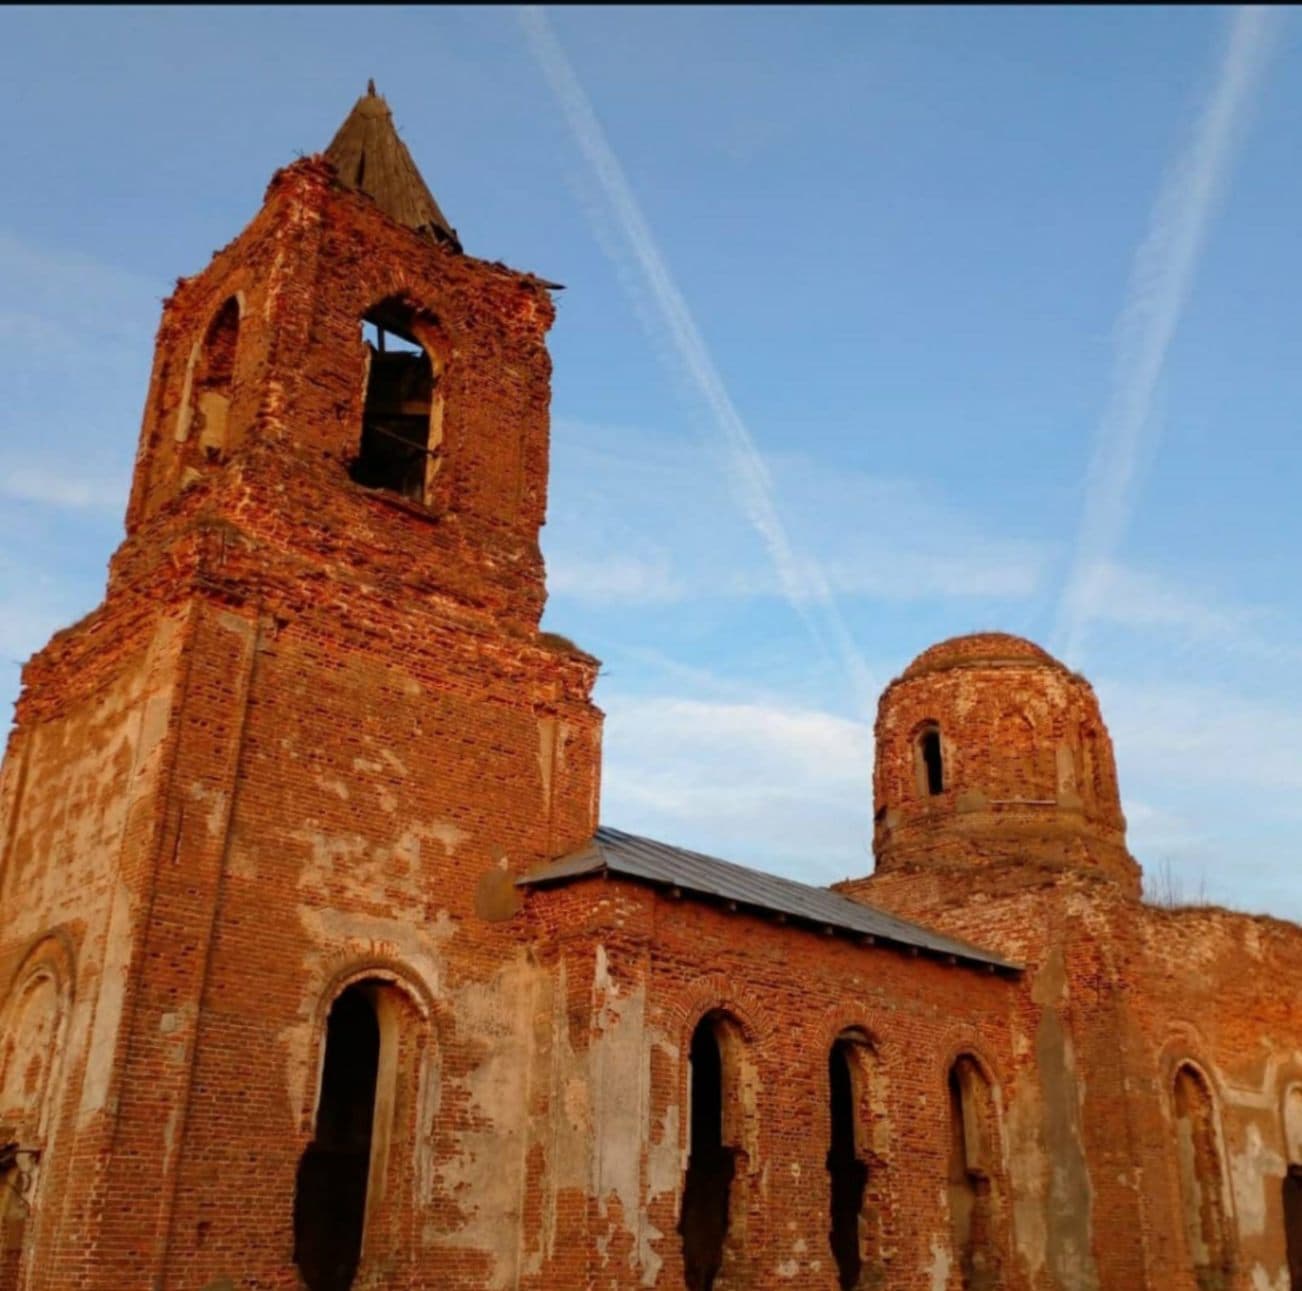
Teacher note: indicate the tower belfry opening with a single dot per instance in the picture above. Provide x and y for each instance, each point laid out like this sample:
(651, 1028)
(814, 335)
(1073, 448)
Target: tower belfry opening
(398, 449)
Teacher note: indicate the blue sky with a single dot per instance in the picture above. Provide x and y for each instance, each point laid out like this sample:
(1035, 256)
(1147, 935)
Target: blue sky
(880, 325)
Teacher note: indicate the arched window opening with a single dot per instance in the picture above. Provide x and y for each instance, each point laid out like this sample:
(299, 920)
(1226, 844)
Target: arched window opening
(846, 1164)
(29, 1050)
(212, 383)
(711, 1162)
(330, 1200)
(972, 1176)
(1293, 1185)
(931, 761)
(1202, 1189)
(401, 417)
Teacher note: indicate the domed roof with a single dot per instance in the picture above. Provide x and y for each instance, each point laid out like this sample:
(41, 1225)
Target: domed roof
(980, 650)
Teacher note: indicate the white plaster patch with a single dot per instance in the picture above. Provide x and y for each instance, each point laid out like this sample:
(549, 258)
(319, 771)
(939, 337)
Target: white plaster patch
(489, 1164)
(215, 800)
(1262, 1281)
(940, 1264)
(446, 833)
(1251, 1171)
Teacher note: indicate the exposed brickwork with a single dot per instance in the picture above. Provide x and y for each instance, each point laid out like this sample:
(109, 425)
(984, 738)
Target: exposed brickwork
(312, 736)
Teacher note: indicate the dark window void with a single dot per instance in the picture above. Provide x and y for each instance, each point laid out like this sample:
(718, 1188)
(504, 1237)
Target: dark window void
(1201, 1185)
(933, 762)
(849, 1174)
(1293, 1225)
(214, 380)
(971, 1185)
(13, 1214)
(707, 1190)
(397, 440)
(330, 1201)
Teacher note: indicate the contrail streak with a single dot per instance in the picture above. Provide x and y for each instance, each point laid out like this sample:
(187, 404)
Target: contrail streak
(1160, 282)
(802, 581)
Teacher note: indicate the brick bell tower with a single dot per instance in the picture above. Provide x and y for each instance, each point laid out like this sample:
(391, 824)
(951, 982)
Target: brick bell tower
(262, 809)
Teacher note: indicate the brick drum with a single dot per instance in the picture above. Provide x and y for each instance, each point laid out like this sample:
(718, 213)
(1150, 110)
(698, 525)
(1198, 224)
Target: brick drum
(315, 970)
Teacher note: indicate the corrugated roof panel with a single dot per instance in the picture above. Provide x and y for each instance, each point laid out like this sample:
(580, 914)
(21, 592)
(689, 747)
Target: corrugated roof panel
(614, 852)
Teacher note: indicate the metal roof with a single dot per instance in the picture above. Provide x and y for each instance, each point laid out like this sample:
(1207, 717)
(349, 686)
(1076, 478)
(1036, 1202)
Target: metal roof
(621, 855)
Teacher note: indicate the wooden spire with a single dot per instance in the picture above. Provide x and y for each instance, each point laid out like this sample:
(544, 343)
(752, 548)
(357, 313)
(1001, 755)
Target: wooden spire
(369, 157)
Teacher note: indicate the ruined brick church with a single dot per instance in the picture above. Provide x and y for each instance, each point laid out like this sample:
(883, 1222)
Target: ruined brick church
(318, 971)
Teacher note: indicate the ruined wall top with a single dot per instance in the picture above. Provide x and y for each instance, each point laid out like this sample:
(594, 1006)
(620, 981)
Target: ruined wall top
(993, 754)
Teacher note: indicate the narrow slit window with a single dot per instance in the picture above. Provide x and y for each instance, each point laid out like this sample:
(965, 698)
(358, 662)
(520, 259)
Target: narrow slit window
(330, 1200)
(707, 1189)
(399, 443)
(847, 1170)
(933, 760)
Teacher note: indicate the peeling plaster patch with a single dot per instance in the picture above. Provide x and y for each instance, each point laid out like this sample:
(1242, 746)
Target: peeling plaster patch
(788, 1268)
(620, 1079)
(1028, 1170)
(1070, 1192)
(546, 754)
(448, 834)
(363, 864)
(216, 802)
(664, 1164)
(431, 1099)
(489, 1164)
(442, 927)
(1261, 1280)
(394, 761)
(1249, 1172)
(940, 1264)
(108, 1007)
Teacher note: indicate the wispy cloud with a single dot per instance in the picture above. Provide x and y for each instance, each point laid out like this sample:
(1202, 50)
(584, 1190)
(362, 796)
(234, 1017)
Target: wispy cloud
(66, 298)
(603, 579)
(1161, 279)
(1197, 618)
(53, 485)
(763, 781)
(1206, 738)
(801, 580)
(869, 537)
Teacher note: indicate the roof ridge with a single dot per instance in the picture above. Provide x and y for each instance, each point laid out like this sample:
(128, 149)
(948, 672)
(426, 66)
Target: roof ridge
(369, 157)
